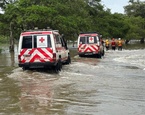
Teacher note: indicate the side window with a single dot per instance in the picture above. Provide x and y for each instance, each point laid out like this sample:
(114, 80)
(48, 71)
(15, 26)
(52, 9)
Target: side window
(27, 42)
(62, 41)
(82, 40)
(98, 42)
(35, 42)
(95, 39)
(49, 41)
(58, 41)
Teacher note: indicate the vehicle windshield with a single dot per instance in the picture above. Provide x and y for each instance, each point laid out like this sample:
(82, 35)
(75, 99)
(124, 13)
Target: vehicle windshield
(89, 40)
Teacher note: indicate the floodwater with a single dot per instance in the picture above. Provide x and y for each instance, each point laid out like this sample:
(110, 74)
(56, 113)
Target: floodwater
(113, 85)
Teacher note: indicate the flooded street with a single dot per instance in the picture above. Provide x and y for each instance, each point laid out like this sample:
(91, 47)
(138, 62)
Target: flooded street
(113, 85)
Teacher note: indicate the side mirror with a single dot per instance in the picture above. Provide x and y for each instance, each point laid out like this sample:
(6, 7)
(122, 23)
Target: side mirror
(62, 35)
(100, 36)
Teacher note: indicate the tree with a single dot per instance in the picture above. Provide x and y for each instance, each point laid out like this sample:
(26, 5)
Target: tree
(136, 19)
(70, 17)
(6, 22)
(4, 3)
(135, 9)
(136, 25)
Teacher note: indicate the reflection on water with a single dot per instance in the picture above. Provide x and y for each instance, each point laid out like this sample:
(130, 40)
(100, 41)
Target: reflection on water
(12, 56)
(8, 58)
(37, 92)
(36, 95)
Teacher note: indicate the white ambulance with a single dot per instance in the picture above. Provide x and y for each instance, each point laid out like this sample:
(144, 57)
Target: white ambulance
(89, 43)
(42, 49)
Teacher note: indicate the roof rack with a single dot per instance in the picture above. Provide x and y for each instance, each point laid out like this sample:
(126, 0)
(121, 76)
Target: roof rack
(89, 32)
(55, 30)
(36, 29)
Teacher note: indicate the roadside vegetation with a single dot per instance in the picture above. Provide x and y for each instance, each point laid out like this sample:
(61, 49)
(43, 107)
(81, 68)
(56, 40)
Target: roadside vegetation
(71, 17)
(4, 39)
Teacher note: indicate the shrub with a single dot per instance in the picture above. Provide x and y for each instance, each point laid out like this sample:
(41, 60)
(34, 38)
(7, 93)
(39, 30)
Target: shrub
(3, 39)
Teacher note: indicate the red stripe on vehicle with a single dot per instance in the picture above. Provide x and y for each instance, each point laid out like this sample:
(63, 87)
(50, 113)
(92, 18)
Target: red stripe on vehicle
(39, 32)
(44, 53)
(23, 61)
(31, 51)
(94, 47)
(35, 57)
(88, 49)
(23, 51)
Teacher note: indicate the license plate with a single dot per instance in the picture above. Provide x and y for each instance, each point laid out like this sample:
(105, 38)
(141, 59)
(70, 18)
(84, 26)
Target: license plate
(88, 54)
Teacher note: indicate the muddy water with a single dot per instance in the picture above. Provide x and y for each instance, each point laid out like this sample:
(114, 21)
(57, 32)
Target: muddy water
(113, 85)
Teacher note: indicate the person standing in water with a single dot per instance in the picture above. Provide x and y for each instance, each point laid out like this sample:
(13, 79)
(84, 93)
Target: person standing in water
(107, 44)
(113, 44)
(119, 44)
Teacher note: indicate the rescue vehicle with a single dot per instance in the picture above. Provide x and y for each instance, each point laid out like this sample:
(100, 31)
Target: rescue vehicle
(89, 43)
(42, 49)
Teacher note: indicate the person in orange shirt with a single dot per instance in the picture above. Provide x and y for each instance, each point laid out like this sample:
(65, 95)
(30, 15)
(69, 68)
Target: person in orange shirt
(107, 44)
(120, 42)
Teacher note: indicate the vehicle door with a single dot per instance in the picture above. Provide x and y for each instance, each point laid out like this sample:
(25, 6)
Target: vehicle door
(42, 48)
(60, 49)
(26, 48)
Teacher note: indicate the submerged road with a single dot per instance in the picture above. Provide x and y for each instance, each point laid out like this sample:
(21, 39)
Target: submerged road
(113, 85)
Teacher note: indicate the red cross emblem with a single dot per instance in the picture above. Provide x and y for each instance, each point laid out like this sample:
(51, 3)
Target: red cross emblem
(91, 38)
(42, 40)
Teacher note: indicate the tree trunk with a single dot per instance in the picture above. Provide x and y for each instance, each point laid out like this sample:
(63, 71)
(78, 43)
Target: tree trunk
(11, 47)
(142, 40)
(73, 44)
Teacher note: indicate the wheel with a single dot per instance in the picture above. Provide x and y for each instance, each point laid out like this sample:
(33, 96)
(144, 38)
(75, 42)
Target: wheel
(80, 55)
(99, 55)
(25, 68)
(58, 66)
(68, 61)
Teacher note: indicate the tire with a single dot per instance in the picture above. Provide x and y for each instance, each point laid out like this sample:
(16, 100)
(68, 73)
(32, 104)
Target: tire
(58, 67)
(25, 68)
(99, 55)
(68, 61)
(80, 55)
